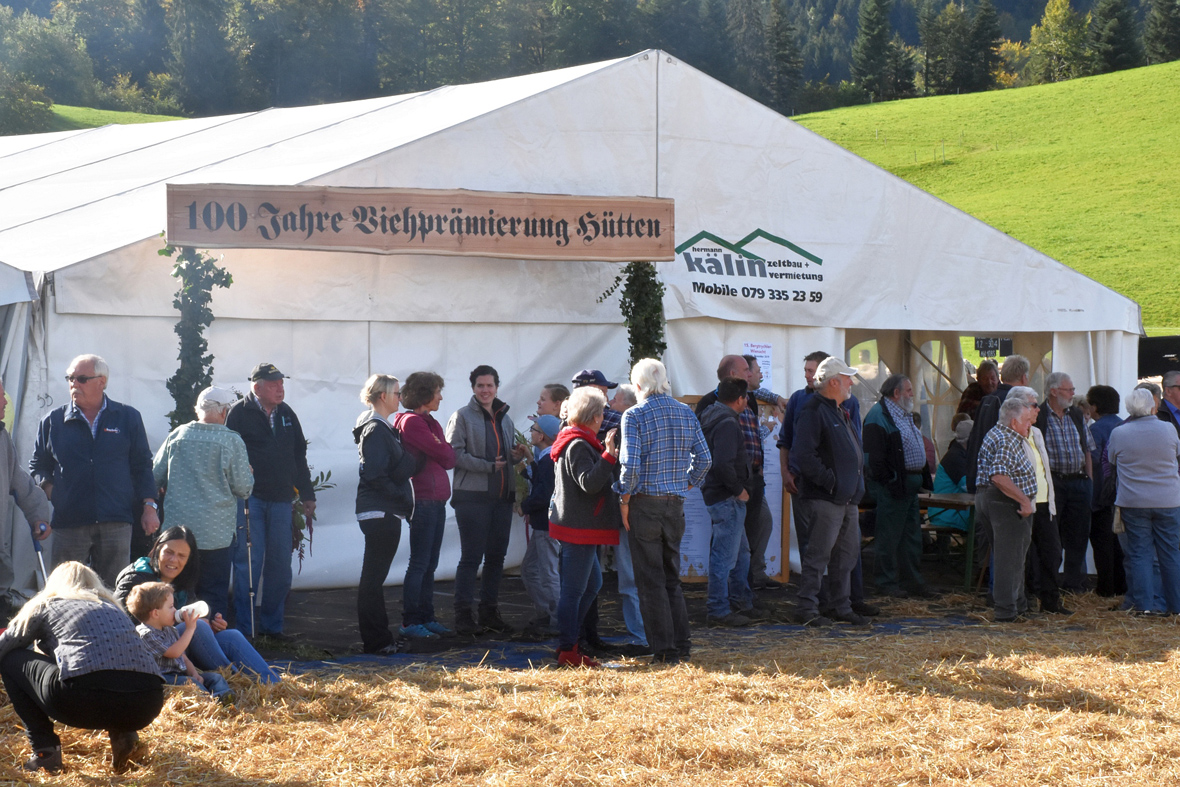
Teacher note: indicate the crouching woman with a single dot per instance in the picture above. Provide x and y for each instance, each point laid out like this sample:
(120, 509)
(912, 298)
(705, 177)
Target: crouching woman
(584, 514)
(92, 670)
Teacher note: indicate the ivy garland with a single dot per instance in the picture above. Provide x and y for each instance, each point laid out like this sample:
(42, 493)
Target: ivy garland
(642, 307)
(198, 274)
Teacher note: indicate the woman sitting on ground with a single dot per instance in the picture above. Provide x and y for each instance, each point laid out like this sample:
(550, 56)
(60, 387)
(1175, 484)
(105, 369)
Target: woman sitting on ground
(584, 515)
(92, 670)
(174, 559)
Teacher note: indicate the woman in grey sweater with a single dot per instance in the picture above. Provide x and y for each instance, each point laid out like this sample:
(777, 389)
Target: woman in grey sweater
(1145, 452)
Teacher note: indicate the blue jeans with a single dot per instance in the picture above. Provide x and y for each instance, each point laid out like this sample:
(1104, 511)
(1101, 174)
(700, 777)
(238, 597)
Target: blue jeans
(632, 617)
(484, 529)
(581, 579)
(1152, 533)
(729, 563)
(426, 537)
(228, 648)
(1156, 601)
(214, 683)
(270, 531)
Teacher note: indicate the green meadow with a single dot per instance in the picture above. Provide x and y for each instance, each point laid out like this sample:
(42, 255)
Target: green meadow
(1086, 171)
(68, 118)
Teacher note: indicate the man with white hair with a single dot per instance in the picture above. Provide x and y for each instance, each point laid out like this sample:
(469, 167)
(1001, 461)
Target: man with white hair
(1069, 444)
(91, 457)
(830, 458)
(1006, 481)
(663, 454)
(1169, 406)
(204, 469)
(278, 455)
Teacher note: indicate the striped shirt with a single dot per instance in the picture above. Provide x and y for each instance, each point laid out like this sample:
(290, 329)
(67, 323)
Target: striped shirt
(1004, 453)
(663, 449)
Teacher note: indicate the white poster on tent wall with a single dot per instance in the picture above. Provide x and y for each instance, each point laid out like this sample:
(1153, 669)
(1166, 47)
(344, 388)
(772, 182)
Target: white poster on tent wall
(763, 352)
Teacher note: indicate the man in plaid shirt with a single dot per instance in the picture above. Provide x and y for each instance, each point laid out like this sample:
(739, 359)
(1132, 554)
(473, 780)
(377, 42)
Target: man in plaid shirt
(1007, 486)
(663, 454)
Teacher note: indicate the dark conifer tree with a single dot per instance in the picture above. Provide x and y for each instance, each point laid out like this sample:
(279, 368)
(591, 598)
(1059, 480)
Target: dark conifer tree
(899, 81)
(985, 46)
(1161, 31)
(870, 52)
(786, 64)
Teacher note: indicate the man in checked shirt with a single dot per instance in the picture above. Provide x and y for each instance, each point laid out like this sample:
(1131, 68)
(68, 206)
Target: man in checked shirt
(663, 455)
(1069, 443)
(1007, 485)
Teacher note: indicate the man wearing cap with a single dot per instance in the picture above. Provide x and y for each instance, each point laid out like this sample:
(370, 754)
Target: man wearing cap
(611, 419)
(278, 454)
(203, 468)
(91, 457)
(828, 453)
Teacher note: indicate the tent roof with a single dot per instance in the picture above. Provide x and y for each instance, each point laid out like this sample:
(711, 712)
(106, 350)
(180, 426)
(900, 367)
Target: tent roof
(102, 189)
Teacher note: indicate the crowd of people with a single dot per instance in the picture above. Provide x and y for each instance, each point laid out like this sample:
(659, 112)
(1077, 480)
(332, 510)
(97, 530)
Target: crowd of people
(1049, 479)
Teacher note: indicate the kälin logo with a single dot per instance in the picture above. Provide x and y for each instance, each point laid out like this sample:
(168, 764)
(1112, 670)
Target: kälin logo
(709, 254)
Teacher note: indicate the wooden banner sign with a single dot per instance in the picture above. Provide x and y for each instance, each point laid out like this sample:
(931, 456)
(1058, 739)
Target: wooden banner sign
(421, 221)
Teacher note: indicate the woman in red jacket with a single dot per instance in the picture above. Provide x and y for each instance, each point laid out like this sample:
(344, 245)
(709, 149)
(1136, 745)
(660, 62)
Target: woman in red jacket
(423, 436)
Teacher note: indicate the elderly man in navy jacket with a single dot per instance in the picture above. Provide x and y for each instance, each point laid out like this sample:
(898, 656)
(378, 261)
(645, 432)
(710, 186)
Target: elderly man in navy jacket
(278, 455)
(92, 459)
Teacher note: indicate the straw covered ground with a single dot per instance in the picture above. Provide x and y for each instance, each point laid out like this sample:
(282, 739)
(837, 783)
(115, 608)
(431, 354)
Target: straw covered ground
(1087, 700)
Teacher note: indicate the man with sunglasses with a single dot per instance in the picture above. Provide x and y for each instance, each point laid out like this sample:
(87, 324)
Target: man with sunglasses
(92, 459)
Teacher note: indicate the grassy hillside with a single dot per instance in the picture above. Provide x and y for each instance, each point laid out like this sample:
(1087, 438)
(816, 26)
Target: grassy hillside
(70, 118)
(1086, 171)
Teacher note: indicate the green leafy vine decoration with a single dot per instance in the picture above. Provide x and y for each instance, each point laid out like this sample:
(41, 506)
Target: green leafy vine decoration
(642, 306)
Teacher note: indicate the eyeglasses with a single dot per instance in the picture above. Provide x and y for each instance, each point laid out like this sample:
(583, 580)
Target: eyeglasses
(81, 379)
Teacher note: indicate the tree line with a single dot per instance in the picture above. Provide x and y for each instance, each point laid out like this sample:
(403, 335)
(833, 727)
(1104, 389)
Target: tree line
(203, 57)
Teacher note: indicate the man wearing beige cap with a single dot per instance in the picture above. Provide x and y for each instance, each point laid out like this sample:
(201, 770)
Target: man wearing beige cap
(278, 454)
(830, 459)
(204, 470)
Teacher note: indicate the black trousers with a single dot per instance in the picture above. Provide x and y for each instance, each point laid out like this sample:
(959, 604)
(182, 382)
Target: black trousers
(1044, 558)
(113, 700)
(1108, 554)
(657, 527)
(381, 540)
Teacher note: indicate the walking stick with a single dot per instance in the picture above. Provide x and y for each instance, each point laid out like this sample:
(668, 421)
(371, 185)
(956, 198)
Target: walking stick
(250, 565)
(40, 552)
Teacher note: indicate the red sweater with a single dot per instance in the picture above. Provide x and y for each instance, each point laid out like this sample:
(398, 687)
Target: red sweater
(425, 439)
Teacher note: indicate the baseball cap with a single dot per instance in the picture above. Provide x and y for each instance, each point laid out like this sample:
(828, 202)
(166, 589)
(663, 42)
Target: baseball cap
(216, 395)
(592, 377)
(265, 371)
(831, 367)
(549, 424)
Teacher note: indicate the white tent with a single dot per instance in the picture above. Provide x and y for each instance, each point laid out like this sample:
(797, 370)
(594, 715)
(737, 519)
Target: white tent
(81, 215)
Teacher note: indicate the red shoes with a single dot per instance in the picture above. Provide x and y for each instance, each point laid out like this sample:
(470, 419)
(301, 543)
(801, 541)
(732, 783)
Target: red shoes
(575, 658)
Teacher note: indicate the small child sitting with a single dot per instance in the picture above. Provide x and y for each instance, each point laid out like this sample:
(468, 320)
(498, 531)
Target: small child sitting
(153, 605)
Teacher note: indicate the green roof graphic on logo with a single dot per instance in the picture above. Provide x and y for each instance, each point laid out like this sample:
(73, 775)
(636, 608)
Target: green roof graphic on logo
(740, 247)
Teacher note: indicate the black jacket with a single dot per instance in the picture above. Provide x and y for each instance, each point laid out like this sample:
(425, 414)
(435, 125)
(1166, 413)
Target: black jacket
(708, 400)
(828, 453)
(1164, 413)
(385, 468)
(278, 458)
(729, 475)
(986, 417)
